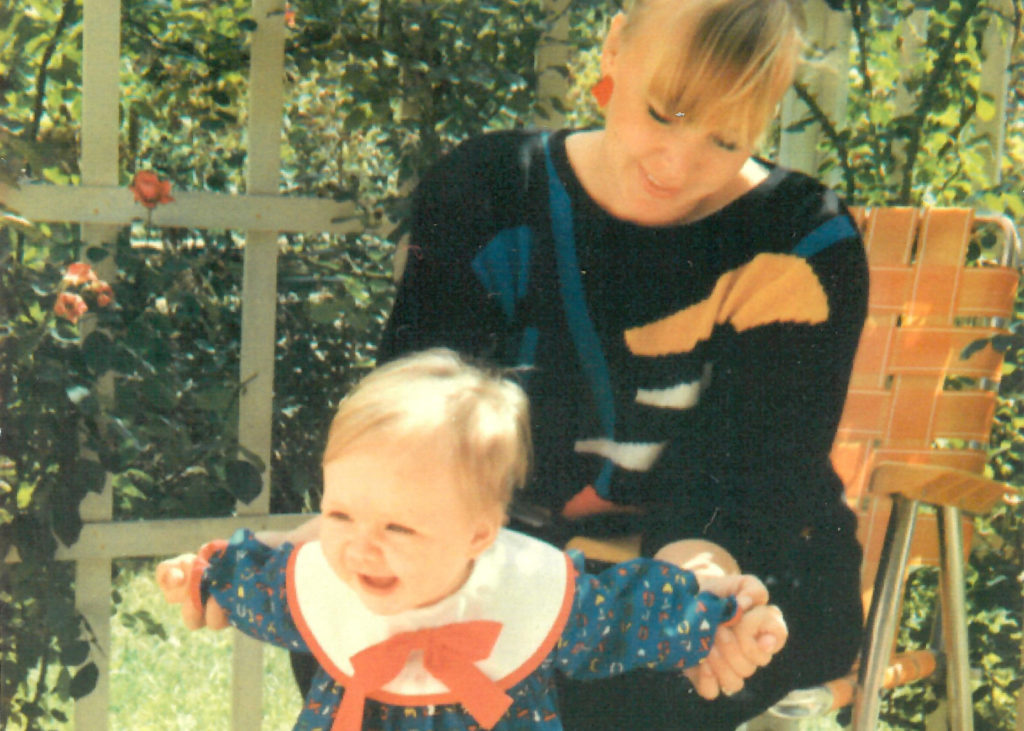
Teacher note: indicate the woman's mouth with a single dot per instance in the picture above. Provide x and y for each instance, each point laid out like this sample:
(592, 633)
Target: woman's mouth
(653, 187)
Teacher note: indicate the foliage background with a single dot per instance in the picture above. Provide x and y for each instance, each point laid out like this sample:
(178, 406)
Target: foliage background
(144, 392)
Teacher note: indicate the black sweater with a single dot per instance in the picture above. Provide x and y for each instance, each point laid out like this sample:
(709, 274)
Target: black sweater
(697, 371)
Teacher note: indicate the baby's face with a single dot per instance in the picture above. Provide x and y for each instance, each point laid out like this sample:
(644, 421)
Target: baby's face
(395, 526)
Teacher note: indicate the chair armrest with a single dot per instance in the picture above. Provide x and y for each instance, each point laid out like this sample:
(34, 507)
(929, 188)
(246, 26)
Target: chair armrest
(609, 550)
(937, 485)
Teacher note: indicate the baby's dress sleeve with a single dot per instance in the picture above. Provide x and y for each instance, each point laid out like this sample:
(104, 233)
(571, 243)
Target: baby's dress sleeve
(639, 614)
(248, 580)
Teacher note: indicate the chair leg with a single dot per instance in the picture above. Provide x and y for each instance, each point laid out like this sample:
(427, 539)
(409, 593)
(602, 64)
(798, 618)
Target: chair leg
(954, 619)
(882, 616)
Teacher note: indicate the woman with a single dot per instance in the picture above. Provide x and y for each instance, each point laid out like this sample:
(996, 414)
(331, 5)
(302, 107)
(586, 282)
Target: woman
(686, 315)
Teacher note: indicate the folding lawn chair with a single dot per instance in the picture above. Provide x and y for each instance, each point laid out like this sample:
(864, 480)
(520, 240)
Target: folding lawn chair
(917, 419)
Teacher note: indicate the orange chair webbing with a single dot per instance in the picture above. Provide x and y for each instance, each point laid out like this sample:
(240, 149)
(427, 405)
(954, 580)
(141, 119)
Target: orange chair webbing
(903, 668)
(940, 350)
(951, 415)
(987, 292)
(889, 235)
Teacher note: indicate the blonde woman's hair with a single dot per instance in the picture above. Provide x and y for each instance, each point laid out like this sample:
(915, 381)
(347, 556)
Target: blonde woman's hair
(471, 416)
(721, 59)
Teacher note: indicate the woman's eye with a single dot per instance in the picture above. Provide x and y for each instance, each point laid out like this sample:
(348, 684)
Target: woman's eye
(725, 144)
(339, 516)
(400, 529)
(657, 116)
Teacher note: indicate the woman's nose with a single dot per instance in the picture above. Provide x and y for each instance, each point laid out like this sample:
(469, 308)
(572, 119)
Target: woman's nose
(677, 157)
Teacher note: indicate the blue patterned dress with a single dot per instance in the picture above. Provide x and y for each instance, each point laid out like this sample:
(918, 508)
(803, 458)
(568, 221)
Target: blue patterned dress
(640, 614)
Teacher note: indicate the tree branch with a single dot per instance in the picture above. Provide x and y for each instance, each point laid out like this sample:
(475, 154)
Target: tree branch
(832, 133)
(859, 13)
(32, 131)
(929, 94)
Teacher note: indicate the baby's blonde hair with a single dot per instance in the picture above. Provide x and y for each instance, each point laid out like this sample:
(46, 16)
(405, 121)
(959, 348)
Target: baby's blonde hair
(721, 59)
(471, 416)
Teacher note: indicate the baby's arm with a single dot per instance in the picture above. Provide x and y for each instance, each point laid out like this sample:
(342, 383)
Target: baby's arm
(179, 579)
(173, 576)
(245, 579)
(639, 614)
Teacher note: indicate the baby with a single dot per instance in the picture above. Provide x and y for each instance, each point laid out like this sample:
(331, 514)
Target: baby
(421, 609)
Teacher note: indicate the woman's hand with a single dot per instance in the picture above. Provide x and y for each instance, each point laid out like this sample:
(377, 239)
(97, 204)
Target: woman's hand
(703, 558)
(174, 577)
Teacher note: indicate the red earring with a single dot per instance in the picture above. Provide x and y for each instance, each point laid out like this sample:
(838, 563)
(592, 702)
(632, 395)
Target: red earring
(602, 90)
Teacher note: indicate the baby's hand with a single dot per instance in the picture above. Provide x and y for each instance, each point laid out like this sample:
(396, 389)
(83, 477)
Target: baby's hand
(748, 589)
(760, 633)
(175, 578)
(738, 651)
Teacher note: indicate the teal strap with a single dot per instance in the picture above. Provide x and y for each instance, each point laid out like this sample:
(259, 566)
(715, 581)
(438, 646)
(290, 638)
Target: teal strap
(581, 327)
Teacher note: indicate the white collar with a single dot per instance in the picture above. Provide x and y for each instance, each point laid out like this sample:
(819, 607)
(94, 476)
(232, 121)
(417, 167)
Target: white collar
(522, 582)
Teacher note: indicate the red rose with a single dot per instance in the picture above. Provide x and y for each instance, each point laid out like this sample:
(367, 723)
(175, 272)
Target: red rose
(149, 190)
(103, 291)
(79, 273)
(70, 306)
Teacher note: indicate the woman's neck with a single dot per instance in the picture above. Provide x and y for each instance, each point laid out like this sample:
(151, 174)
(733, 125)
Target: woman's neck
(585, 153)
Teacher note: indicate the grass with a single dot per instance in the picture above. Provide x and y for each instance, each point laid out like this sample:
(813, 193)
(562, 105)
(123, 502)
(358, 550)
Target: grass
(165, 678)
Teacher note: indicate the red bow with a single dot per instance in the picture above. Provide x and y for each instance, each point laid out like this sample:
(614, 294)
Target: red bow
(450, 654)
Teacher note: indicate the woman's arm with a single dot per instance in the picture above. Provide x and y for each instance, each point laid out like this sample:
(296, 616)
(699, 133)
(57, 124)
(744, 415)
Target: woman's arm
(466, 200)
(749, 469)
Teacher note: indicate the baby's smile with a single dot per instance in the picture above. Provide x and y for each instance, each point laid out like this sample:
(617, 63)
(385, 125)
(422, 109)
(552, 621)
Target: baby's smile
(376, 584)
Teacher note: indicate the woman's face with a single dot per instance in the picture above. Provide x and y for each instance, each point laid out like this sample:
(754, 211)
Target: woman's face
(659, 166)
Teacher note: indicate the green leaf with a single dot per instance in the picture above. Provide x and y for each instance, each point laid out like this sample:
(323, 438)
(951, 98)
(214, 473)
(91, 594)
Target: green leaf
(986, 108)
(87, 476)
(159, 395)
(975, 347)
(96, 254)
(32, 710)
(67, 523)
(98, 351)
(326, 311)
(75, 654)
(243, 480)
(33, 539)
(84, 681)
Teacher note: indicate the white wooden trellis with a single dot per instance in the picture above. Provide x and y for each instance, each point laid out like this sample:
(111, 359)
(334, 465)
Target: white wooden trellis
(102, 208)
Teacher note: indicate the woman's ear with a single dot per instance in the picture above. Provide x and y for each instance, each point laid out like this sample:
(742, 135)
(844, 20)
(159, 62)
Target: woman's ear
(612, 44)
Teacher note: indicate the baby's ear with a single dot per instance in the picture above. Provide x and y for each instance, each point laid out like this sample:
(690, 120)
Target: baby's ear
(484, 535)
